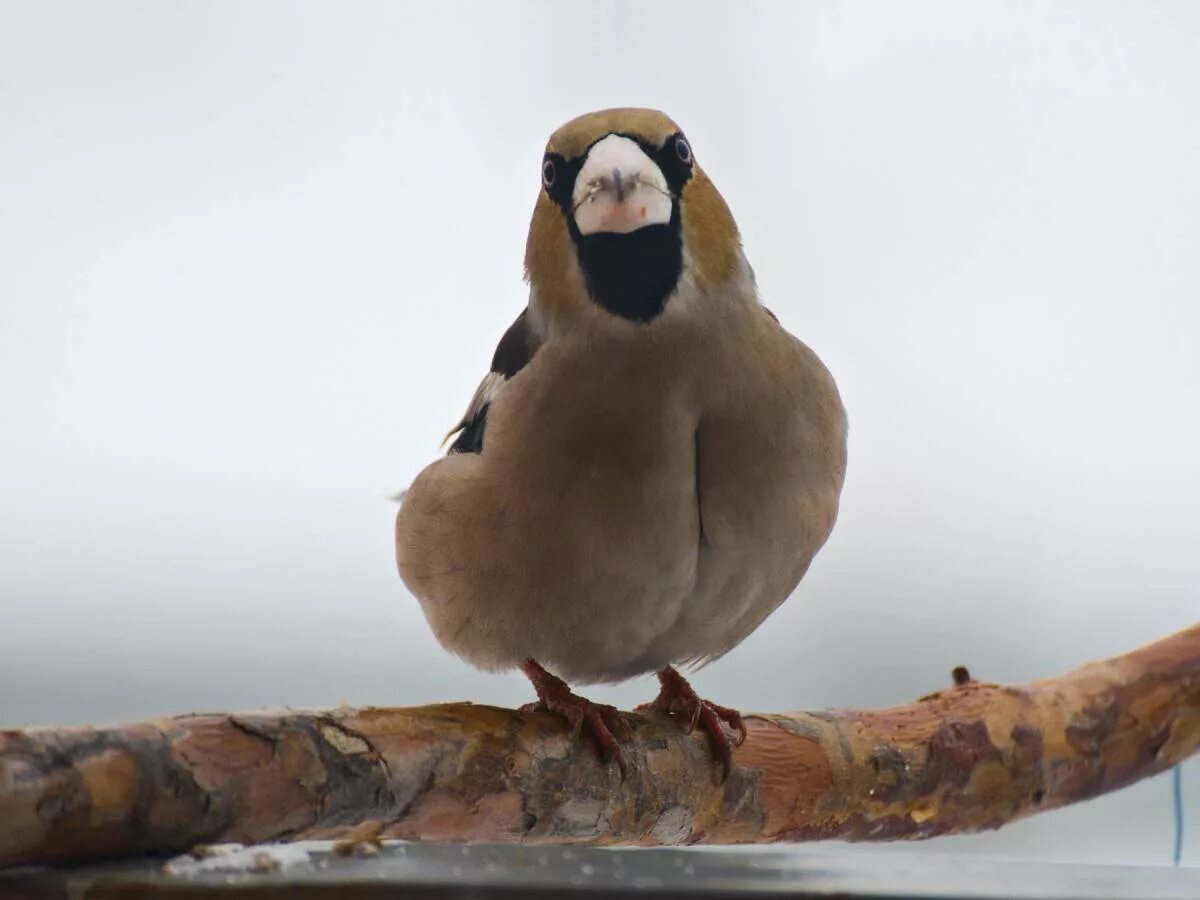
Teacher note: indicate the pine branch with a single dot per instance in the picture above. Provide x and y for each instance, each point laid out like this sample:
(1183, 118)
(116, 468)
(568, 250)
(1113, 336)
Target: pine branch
(974, 756)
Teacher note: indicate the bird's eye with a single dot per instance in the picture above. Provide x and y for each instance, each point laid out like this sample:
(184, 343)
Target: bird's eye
(548, 173)
(683, 150)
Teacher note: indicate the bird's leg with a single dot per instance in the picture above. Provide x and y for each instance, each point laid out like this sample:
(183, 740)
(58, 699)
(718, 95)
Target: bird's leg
(677, 699)
(600, 720)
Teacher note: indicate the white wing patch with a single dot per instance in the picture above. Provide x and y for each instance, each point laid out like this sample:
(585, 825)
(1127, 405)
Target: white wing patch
(487, 391)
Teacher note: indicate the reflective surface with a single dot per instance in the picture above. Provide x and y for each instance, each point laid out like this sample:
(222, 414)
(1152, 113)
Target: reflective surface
(481, 870)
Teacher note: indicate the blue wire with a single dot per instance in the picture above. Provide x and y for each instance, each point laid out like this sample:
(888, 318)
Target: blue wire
(1177, 790)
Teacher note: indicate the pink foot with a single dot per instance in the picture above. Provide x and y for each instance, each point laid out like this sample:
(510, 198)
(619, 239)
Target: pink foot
(677, 699)
(599, 719)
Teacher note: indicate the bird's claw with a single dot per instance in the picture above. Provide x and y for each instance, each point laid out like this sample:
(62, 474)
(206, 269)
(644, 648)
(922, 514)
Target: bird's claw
(604, 724)
(678, 700)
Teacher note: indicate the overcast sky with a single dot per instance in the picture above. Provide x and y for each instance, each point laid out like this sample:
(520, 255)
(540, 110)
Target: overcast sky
(254, 258)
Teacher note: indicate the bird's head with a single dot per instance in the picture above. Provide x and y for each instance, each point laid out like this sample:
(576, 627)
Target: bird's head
(625, 218)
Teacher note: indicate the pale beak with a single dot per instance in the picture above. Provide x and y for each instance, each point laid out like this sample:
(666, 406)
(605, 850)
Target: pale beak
(619, 189)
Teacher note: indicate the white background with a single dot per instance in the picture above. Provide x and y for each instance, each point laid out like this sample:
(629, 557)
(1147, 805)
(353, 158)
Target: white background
(254, 258)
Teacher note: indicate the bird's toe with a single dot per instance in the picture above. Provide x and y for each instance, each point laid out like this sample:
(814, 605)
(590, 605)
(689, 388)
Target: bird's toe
(678, 700)
(604, 724)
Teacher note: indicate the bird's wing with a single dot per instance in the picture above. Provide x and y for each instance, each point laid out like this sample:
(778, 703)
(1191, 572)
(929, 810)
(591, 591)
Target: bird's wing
(515, 349)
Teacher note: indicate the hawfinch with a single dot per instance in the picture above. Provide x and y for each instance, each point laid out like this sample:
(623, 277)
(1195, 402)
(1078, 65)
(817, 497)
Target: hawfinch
(652, 462)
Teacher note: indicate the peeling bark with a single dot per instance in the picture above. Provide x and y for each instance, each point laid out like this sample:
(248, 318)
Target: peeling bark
(971, 757)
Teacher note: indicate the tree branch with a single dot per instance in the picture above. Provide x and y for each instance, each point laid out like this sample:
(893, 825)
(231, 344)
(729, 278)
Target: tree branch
(971, 757)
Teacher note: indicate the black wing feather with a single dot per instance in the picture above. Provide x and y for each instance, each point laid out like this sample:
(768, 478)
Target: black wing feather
(513, 353)
(515, 349)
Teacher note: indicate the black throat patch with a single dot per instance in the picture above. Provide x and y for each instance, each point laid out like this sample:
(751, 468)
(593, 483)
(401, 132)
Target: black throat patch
(632, 275)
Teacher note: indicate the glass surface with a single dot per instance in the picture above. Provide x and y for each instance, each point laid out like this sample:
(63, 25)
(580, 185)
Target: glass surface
(473, 870)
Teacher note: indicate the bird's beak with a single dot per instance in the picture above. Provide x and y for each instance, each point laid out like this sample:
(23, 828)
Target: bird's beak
(619, 189)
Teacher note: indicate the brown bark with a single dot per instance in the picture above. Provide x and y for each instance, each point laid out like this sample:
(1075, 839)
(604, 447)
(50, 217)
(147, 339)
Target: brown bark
(971, 757)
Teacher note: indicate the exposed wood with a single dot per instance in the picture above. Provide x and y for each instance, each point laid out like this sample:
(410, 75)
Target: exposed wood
(971, 757)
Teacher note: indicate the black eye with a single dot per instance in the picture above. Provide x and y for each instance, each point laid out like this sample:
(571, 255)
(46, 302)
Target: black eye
(548, 173)
(683, 150)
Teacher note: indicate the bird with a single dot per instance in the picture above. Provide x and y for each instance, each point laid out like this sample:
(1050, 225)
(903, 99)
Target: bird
(652, 462)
